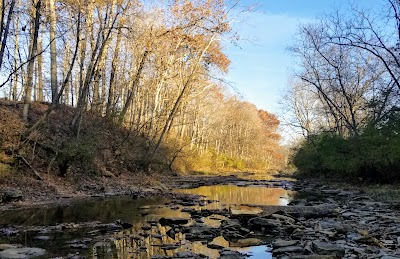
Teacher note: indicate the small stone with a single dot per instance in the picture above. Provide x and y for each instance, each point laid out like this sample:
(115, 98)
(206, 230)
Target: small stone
(171, 233)
(158, 236)
(146, 228)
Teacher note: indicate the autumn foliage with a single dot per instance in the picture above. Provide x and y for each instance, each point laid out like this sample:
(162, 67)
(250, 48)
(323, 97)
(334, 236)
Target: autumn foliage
(148, 73)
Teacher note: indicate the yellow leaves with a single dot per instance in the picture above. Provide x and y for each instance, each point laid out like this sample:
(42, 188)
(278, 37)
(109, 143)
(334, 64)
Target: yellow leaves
(205, 15)
(84, 5)
(217, 57)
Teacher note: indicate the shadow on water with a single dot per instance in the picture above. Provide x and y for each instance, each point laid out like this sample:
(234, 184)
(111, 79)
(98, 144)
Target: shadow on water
(146, 238)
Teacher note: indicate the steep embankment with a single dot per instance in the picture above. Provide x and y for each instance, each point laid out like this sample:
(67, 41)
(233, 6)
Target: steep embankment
(53, 162)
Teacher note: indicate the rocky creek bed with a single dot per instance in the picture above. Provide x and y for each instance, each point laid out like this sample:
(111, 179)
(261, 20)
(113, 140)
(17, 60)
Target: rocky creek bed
(319, 222)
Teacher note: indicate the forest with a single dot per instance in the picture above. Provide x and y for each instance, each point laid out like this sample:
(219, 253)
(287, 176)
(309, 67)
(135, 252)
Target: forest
(344, 96)
(113, 85)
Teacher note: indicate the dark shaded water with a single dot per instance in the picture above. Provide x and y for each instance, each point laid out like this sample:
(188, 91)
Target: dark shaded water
(132, 242)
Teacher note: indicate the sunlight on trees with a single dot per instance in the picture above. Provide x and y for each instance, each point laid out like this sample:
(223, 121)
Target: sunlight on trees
(154, 69)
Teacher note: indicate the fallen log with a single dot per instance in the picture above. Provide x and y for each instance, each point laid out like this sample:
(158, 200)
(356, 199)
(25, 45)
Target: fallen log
(30, 166)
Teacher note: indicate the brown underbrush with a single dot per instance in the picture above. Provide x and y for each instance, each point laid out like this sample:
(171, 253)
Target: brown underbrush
(55, 160)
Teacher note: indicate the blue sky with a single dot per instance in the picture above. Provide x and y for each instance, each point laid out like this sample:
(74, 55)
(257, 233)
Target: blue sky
(260, 64)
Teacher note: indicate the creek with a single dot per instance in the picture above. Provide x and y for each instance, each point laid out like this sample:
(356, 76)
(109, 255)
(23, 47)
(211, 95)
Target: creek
(123, 227)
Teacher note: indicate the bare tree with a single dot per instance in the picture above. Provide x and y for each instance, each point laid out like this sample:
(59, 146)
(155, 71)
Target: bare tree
(53, 50)
(341, 75)
(36, 6)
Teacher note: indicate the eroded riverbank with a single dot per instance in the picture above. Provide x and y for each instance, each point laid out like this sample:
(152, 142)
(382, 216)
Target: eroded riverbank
(211, 217)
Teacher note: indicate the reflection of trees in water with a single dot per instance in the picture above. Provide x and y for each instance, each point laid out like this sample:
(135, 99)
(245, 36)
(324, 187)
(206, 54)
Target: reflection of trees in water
(105, 210)
(129, 245)
(232, 194)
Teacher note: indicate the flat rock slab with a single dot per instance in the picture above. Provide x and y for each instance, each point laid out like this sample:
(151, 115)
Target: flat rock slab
(246, 242)
(288, 249)
(22, 253)
(316, 211)
(173, 221)
(283, 243)
(310, 257)
(264, 222)
(323, 248)
(245, 211)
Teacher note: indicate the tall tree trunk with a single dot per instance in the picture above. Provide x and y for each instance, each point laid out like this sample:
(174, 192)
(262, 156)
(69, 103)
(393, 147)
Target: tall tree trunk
(64, 84)
(186, 85)
(66, 66)
(110, 101)
(16, 50)
(32, 55)
(135, 83)
(39, 88)
(53, 51)
(97, 53)
(4, 30)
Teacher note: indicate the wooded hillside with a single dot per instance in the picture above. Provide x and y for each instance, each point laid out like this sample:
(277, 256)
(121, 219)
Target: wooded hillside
(153, 68)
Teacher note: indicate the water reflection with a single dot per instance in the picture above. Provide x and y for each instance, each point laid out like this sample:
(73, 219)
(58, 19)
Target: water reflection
(263, 176)
(146, 238)
(104, 210)
(232, 194)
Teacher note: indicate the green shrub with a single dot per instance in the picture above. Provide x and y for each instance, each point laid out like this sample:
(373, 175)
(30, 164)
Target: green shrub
(79, 152)
(373, 155)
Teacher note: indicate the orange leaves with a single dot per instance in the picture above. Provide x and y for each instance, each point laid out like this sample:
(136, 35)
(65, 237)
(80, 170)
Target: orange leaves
(204, 15)
(270, 121)
(217, 57)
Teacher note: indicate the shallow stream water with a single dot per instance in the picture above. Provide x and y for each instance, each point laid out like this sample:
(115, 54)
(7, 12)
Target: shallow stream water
(146, 238)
